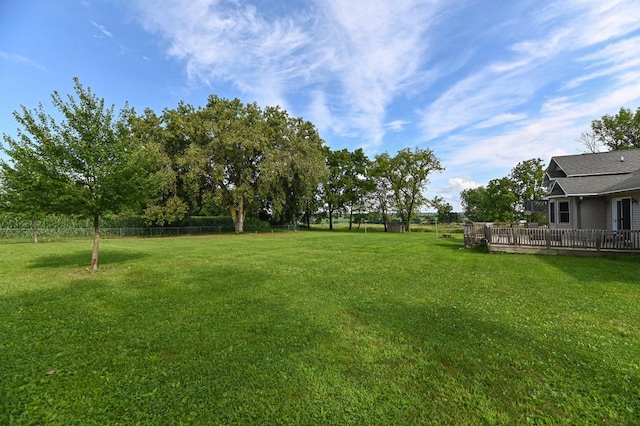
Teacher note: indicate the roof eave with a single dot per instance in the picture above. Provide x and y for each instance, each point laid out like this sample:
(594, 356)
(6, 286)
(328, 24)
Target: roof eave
(548, 197)
(619, 191)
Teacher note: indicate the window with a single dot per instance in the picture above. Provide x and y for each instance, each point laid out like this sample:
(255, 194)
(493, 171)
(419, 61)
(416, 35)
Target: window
(563, 211)
(552, 212)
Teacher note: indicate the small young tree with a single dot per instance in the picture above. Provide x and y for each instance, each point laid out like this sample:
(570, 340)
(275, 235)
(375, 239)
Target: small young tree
(88, 164)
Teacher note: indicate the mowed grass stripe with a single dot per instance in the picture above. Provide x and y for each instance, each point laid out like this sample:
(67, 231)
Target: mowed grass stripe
(315, 327)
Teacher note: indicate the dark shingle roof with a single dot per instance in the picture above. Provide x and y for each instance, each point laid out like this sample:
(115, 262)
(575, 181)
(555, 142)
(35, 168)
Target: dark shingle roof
(631, 183)
(600, 163)
(586, 185)
(594, 174)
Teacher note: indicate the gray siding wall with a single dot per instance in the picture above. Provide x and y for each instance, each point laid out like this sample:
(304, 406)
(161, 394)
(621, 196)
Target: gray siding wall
(593, 213)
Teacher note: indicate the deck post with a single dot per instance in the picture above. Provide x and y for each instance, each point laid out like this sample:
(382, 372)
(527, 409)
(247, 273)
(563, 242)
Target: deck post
(487, 234)
(547, 236)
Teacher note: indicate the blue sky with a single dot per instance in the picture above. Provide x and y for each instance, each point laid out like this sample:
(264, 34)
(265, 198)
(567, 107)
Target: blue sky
(484, 84)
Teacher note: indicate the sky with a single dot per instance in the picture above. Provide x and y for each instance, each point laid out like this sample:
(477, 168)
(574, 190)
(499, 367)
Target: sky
(484, 84)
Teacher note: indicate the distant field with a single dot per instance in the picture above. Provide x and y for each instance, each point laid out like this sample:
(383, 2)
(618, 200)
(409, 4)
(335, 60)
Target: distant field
(315, 328)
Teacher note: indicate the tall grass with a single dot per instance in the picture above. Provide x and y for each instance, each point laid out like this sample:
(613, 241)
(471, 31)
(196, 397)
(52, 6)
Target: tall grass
(315, 328)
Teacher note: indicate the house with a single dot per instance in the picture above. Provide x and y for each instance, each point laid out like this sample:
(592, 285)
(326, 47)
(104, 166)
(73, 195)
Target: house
(594, 191)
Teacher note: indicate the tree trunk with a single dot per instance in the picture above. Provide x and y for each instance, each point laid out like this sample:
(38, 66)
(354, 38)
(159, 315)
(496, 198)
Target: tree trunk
(350, 218)
(238, 215)
(34, 226)
(406, 221)
(330, 219)
(96, 243)
(239, 223)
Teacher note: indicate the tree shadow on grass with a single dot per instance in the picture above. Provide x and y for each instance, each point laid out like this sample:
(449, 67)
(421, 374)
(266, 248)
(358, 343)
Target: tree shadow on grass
(82, 258)
(510, 365)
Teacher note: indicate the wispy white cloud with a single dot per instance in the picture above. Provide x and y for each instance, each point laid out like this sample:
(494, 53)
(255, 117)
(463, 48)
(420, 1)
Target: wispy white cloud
(500, 119)
(396, 125)
(22, 59)
(488, 94)
(379, 48)
(361, 53)
(552, 131)
(474, 100)
(611, 61)
(102, 29)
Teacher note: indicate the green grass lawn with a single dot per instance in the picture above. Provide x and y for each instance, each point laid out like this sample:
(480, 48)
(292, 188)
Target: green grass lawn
(315, 328)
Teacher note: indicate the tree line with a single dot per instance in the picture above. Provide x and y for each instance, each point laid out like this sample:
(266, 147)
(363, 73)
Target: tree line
(90, 160)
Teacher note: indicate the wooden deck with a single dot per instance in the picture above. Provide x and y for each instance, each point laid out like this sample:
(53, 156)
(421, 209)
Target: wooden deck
(551, 241)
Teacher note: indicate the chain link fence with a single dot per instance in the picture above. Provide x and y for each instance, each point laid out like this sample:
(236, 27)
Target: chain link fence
(71, 233)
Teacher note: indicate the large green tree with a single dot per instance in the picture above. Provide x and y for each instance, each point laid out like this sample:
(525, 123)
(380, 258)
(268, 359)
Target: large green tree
(408, 175)
(185, 191)
(505, 199)
(89, 163)
(227, 164)
(381, 196)
(502, 200)
(293, 166)
(358, 182)
(333, 189)
(249, 159)
(613, 132)
(494, 203)
(347, 183)
(475, 204)
(527, 177)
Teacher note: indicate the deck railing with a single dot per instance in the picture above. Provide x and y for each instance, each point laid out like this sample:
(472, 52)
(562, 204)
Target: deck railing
(497, 238)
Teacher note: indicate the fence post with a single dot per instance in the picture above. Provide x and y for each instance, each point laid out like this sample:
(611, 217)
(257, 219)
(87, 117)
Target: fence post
(547, 235)
(488, 234)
